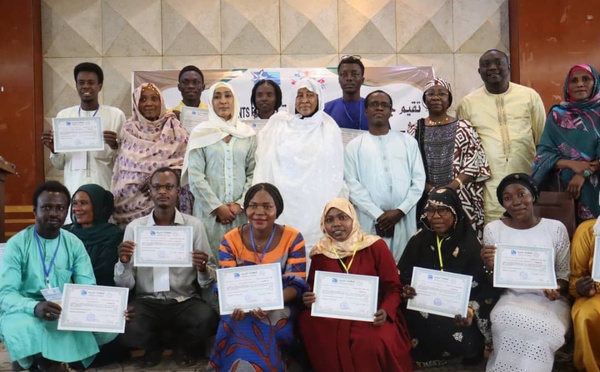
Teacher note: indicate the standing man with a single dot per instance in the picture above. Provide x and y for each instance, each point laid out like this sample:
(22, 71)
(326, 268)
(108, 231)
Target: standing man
(37, 261)
(191, 85)
(82, 168)
(384, 173)
(349, 110)
(168, 298)
(509, 119)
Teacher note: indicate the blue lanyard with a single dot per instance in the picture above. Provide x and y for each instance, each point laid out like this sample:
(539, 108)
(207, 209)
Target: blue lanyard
(266, 247)
(95, 112)
(47, 269)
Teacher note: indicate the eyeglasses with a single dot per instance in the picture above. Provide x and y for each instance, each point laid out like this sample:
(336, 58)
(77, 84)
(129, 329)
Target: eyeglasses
(349, 56)
(384, 105)
(439, 94)
(166, 187)
(442, 212)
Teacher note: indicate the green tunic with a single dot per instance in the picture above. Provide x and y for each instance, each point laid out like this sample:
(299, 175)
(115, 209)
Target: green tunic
(21, 279)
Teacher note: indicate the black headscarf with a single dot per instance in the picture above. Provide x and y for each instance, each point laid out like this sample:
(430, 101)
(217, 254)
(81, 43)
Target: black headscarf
(520, 178)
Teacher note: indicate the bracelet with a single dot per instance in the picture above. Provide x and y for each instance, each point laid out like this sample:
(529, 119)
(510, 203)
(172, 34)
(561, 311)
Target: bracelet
(460, 183)
(471, 311)
(488, 272)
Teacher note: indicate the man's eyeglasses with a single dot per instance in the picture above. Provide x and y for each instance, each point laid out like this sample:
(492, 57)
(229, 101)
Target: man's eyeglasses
(166, 187)
(442, 211)
(384, 105)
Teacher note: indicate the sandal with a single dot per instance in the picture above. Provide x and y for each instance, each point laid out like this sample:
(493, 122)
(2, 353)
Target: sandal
(183, 359)
(151, 358)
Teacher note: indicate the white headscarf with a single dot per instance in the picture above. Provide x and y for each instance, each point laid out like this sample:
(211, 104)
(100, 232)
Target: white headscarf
(304, 158)
(216, 128)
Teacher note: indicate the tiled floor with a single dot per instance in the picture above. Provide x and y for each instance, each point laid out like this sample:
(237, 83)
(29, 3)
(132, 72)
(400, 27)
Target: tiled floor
(168, 364)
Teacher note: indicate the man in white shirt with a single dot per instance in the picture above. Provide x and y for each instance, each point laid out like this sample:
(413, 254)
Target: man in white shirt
(384, 173)
(81, 168)
(168, 298)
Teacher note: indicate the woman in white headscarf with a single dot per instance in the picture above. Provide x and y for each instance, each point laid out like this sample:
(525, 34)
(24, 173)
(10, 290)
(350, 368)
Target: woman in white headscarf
(301, 152)
(219, 164)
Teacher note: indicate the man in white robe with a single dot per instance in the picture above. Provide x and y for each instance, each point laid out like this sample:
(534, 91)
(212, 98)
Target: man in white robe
(384, 173)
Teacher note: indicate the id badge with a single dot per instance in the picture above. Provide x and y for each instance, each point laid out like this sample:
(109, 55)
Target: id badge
(52, 295)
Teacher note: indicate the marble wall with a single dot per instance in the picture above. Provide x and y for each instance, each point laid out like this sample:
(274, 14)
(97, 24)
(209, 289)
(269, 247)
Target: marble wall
(126, 35)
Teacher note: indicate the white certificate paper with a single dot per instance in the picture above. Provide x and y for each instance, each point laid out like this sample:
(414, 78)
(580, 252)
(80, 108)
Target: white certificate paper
(440, 292)
(524, 267)
(192, 116)
(167, 246)
(93, 308)
(78, 134)
(250, 287)
(345, 296)
(596, 264)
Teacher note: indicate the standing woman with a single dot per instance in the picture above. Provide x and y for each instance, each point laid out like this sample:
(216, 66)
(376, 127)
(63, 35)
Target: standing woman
(528, 325)
(266, 99)
(347, 345)
(451, 152)
(219, 164)
(261, 340)
(151, 139)
(301, 152)
(568, 152)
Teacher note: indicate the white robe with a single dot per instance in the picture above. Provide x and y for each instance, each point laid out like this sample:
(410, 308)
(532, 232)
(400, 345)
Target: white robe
(383, 173)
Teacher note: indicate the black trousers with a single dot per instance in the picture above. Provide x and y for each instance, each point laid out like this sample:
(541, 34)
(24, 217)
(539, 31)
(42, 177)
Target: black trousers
(188, 324)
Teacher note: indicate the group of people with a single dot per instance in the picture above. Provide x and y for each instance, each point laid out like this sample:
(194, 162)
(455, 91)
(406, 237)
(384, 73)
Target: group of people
(440, 196)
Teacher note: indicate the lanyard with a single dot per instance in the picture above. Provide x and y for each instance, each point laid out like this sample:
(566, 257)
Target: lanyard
(266, 247)
(47, 269)
(347, 268)
(439, 246)
(95, 112)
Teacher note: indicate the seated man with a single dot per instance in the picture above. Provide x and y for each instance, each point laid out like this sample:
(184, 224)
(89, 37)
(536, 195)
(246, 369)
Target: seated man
(585, 311)
(42, 257)
(179, 309)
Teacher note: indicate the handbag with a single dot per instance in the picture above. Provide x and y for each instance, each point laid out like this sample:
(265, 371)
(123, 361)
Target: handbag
(557, 205)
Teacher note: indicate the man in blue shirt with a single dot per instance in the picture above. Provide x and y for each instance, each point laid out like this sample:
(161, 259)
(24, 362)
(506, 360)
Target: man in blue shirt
(349, 110)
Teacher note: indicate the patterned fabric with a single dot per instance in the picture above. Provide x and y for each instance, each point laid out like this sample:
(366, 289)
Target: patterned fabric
(252, 344)
(437, 81)
(572, 132)
(527, 328)
(438, 145)
(146, 146)
(469, 159)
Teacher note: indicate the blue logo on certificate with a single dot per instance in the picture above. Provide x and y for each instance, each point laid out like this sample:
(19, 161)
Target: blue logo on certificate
(236, 275)
(152, 233)
(429, 276)
(83, 292)
(68, 123)
(513, 252)
(334, 280)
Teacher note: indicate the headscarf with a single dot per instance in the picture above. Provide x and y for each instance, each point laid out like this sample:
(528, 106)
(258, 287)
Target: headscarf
(439, 82)
(593, 75)
(216, 128)
(446, 197)
(304, 159)
(520, 178)
(357, 239)
(102, 239)
(145, 146)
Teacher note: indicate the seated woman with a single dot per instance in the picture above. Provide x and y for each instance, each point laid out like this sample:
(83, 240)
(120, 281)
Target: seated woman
(437, 338)
(567, 157)
(301, 153)
(261, 340)
(452, 153)
(347, 345)
(150, 139)
(265, 99)
(91, 208)
(528, 325)
(586, 318)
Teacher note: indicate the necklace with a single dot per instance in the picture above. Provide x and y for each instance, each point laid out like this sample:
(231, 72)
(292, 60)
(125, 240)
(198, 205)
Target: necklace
(266, 247)
(431, 122)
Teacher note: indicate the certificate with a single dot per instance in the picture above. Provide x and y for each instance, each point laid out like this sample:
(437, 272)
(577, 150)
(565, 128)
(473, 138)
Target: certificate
(167, 246)
(440, 292)
(78, 134)
(93, 308)
(192, 116)
(524, 267)
(596, 264)
(250, 287)
(345, 296)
